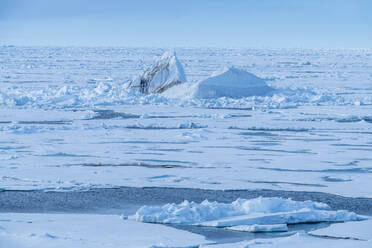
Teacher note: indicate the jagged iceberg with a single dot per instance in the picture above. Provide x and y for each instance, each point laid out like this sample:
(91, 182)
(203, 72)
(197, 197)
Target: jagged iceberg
(231, 82)
(164, 74)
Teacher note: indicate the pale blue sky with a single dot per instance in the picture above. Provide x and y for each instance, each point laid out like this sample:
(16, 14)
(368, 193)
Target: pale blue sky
(175, 23)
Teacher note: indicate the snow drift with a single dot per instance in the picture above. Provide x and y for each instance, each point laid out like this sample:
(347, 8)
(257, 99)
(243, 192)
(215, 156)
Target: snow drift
(165, 73)
(260, 211)
(231, 82)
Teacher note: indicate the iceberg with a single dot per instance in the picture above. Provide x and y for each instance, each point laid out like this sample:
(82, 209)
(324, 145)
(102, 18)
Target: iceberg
(231, 82)
(164, 74)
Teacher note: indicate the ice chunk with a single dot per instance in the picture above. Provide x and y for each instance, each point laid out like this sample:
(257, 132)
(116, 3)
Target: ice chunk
(231, 82)
(242, 212)
(260, 228)
(165, 73)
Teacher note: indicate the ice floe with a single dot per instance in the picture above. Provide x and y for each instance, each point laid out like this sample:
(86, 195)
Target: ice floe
(88, 230)
(298, 240)
(259, 211)
(360, 230)
(292, 217)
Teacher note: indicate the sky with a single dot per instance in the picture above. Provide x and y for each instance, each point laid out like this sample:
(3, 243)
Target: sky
(187, 23)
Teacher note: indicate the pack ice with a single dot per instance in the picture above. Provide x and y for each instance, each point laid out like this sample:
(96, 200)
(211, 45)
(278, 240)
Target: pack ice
(258, 211)
(165, 73)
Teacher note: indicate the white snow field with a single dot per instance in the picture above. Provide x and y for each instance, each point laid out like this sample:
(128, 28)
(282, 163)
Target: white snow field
(278, 119)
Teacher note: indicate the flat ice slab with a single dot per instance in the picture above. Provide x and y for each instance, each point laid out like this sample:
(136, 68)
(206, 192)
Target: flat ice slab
(87, 230)
(293, 217)
(260, 211)
(260, 228)
(352, 230)
(298, 240)
(231, 82)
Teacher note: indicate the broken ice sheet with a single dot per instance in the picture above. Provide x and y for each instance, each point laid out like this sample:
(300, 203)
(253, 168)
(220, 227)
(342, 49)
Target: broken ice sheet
(262, 211)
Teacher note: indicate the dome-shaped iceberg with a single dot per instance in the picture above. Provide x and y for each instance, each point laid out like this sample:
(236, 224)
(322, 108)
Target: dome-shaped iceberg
(231, 82)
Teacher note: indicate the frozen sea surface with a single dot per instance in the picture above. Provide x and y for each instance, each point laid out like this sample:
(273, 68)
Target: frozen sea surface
(72, 137)
(68, 122)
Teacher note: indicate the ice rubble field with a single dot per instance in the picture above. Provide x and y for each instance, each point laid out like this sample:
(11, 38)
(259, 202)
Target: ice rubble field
(68, 123)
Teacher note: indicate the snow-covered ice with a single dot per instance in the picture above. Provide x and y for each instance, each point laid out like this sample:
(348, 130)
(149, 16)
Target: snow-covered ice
(260, 211)
(361, 230)
(297, 240)
(18, 230)
(63, 109)
(301, 121)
